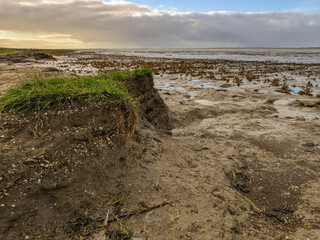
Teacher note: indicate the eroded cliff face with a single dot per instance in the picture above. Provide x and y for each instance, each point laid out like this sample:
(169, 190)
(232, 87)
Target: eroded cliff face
(55, 166)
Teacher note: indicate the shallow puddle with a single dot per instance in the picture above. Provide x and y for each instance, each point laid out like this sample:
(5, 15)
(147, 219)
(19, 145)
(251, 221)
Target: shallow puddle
(206, 86)
(295, 89)
(192, 94)
(179, 89)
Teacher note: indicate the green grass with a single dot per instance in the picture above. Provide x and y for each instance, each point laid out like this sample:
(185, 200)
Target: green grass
(26, 50)
(136, 76)
(40, 94)
(139, 80)
(7, 50)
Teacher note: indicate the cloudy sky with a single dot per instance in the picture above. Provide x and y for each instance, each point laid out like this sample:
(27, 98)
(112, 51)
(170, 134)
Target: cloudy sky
(159, 23)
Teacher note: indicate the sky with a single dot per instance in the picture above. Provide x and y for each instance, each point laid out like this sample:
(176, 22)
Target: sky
(235, 5)
(159, 23)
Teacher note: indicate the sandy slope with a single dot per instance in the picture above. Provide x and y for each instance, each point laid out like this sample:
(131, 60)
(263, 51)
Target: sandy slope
(271, 148)
(278, 156)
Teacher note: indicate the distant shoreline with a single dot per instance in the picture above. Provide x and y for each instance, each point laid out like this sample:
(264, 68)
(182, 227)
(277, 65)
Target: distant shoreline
(168, 49)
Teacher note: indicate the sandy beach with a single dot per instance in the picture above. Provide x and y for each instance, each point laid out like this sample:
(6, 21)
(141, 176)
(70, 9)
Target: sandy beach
(240, 159)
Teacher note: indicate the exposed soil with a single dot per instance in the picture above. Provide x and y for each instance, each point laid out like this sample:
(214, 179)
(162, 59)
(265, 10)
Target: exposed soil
(220, 163)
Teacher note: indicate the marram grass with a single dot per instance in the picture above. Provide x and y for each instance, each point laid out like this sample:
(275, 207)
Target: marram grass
(40, 94)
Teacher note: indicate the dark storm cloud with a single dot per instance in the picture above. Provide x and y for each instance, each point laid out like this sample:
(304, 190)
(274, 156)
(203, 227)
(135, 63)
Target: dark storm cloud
(123, 24)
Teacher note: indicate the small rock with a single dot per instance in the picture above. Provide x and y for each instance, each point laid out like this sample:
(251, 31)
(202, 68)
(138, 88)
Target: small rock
(51, 69)
(40, 56)
(294, 188)
(226, 85)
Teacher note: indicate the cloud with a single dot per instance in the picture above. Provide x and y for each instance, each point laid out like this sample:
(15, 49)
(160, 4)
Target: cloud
(41, 43)
(115, 23)
(307, 6)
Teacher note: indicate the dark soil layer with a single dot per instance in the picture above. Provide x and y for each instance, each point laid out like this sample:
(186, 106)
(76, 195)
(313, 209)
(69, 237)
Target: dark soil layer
(55, 167)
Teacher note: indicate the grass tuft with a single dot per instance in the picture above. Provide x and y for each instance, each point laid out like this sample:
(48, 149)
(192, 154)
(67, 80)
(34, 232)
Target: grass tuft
(137, 76)
(270, 100)
(40, 94)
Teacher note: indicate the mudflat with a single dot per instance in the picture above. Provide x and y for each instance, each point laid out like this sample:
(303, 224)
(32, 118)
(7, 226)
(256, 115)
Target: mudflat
(238, 159)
